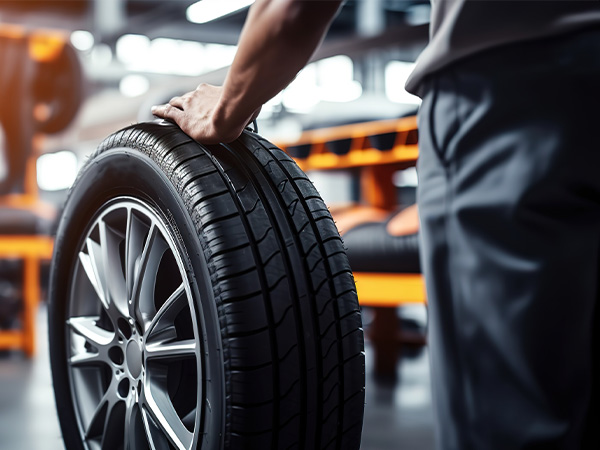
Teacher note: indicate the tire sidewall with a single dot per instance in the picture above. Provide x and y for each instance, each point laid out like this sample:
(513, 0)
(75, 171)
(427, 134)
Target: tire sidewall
(116, 173)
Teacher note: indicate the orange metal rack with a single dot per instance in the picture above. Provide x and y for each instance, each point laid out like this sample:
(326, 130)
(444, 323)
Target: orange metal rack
(32, 249)
(42, 46)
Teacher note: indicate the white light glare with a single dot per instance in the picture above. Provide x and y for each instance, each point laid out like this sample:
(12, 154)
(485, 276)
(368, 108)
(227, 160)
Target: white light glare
(208, 10)
(302, 95)
(396, 74)
(82, 40)
(134, 85)
(56, 171)
(329, 80)
(173, 56)
(336, 80)
(131, 48)
(406, 178)
(101, 55)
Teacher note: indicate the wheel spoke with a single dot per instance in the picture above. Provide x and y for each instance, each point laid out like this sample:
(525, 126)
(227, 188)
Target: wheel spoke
(142, 305)
(134, 245)
(87, 328)
(131, 422)
(171, 350)
(97, 426)
(112, 436)
(166, 419)
(156, 439)
(86, 359)
(167, 313)
(89, 262)
(111, 258)
(141, 267)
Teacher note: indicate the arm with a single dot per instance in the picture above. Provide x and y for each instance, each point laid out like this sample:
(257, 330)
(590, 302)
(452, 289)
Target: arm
(277, 40)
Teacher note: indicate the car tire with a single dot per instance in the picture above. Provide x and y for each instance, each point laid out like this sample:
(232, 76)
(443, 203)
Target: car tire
(241, 331)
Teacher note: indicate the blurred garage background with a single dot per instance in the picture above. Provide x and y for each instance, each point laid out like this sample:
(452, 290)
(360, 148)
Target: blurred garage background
(74, 71)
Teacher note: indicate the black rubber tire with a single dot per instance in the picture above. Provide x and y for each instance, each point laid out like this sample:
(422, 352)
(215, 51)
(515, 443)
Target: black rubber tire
(279, 297)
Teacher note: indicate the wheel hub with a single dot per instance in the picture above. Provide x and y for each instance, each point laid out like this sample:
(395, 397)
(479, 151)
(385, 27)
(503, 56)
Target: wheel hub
(133, 358)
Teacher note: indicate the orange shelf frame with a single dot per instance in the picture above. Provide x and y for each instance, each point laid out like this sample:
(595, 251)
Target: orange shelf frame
(42, 46)
(403, 153)
(32, 250)
(389, 289)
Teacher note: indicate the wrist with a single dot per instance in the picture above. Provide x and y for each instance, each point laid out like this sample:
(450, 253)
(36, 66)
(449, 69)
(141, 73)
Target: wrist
(225, 123)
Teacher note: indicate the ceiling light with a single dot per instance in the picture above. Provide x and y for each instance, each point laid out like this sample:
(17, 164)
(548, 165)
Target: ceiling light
(82, 40)
(208, 10)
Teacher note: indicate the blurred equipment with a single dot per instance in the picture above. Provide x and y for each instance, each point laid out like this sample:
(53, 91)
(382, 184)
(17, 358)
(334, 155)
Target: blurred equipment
(382, 242)
(41, 87)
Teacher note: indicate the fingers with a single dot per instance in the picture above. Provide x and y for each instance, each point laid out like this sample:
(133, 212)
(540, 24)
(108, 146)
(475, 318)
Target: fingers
(171, 110)
(177, 102)
(167, 111)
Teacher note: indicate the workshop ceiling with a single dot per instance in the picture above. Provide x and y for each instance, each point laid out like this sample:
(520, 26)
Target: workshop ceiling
(109, 19)
(361, 27)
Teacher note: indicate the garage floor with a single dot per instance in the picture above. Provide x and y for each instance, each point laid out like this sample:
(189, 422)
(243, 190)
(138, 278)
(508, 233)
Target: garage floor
(397, 415)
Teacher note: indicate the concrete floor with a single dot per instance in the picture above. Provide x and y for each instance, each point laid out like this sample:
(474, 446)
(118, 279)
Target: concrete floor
(397, 415)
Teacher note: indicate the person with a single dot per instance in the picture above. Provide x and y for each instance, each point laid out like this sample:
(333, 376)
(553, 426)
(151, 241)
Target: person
(509, 203)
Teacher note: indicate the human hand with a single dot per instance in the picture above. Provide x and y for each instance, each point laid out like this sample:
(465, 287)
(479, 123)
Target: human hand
(198, 114)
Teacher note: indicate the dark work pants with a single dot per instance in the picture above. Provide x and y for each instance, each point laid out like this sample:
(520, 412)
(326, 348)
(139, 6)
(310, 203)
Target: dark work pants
(509, 198)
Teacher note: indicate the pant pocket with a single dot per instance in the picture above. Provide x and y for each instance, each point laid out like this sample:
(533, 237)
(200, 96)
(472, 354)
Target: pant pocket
(438, 116)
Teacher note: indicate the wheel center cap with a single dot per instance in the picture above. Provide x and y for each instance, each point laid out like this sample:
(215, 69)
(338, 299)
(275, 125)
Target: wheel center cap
(133, 355)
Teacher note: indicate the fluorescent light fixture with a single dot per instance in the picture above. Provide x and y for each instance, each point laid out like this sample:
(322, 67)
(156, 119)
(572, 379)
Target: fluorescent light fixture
(209, 10)
(172, 56)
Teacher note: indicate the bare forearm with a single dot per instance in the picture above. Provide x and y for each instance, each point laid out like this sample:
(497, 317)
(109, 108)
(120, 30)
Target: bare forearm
(277, 41)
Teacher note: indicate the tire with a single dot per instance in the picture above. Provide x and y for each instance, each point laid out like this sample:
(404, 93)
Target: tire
(264, 348)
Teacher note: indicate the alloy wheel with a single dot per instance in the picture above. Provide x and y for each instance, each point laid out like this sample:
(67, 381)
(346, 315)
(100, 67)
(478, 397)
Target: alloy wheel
(133, 341)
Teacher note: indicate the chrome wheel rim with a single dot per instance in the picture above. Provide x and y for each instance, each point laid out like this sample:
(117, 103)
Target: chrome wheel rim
(133, 341)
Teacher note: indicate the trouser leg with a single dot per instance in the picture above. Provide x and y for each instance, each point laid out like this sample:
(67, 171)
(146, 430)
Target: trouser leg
(509, 198)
